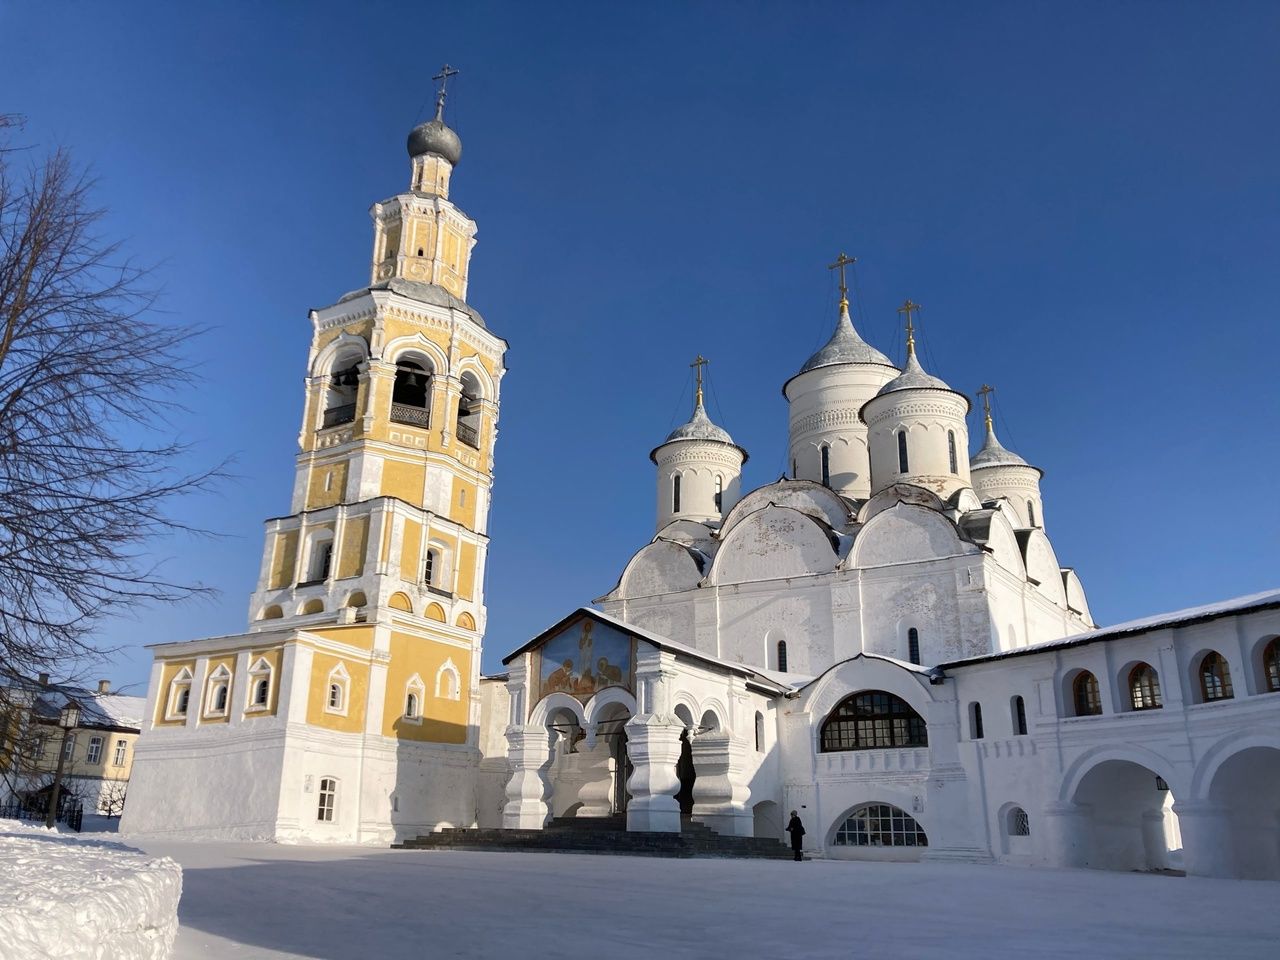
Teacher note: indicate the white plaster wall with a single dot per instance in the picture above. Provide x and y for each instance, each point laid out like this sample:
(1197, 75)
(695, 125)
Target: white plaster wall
(1016, 483)
(697, 463)
(823, 410)
(927, 416)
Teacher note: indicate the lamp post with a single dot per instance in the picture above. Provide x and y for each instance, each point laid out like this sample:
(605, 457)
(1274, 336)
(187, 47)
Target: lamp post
(68, 720)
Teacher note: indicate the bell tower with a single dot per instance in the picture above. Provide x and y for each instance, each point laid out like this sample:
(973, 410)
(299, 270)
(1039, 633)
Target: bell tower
(387, 536)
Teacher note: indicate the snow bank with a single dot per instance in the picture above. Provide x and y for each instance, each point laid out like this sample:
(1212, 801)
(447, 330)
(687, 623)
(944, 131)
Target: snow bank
(64, 897)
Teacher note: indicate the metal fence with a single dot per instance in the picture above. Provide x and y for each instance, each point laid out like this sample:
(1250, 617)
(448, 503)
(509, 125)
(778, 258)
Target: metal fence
(72, 814)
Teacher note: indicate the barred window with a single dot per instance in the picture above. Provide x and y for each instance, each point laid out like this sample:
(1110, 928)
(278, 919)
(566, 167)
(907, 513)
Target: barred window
(873, 720)
(1271, 665)
(1087, 698)
(1215, 678)
(902, 451)
(951, 451)
(913, 645)
(1019, 823)
(826, 465)
(1144, 688)
(880, 825)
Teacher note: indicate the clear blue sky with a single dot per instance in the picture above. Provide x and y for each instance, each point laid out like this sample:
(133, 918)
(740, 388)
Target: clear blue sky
(1084, 196)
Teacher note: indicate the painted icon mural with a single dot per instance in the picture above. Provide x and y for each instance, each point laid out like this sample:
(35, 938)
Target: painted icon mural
(586, 657)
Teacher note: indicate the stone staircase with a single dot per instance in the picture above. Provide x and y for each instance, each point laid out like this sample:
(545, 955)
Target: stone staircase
(603, 835)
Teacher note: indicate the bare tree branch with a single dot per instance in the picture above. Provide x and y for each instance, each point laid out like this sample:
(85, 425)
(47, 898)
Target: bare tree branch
(85, 371)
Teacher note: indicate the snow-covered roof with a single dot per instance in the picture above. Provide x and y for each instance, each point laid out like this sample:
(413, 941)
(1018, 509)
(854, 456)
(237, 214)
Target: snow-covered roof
(1267, 600)
(845, 346)
(107, 710)
(422, 292)
(699, 427)
(928, 673)
(994, 454)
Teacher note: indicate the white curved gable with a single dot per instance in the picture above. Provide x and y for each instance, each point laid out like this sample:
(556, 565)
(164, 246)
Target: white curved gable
(772, 544)
(1042, 565)
(887, 498)
(906, 533)
(1075, 593)
(691, 533)
(805, 496)
(661, 567)
(1003, 544)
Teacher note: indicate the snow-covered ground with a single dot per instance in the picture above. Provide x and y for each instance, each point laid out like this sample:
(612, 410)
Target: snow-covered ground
(66, 896)
(333, 903)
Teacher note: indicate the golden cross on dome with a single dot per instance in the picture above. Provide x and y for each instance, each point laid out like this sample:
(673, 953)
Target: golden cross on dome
(908, 308)
(985, 393)
(443, 79)
(841, 262)
(699, 362)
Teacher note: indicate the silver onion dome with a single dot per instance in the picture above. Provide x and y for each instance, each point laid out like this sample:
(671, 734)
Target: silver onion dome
(435, 136)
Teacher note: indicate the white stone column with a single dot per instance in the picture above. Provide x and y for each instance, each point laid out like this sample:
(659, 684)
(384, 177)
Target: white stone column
(1206, 839)
(1066, 827)
(530, 755)
(719, 793)
(653, 744)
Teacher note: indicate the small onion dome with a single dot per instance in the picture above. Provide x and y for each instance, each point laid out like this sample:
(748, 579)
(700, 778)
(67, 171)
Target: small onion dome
(435, 136)
(993, 454)
(913, 377)
(699, 427)
(845, 346)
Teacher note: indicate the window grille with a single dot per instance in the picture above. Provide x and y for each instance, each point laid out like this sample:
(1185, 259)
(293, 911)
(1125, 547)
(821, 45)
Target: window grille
(913, 645)
(1088, 700)
(1215, 678)
(902, 451)
(826, 465)
(1144, 688)
(782, 656)
(873, 720)
(880, 825)
(1019, 823)
(951, 451)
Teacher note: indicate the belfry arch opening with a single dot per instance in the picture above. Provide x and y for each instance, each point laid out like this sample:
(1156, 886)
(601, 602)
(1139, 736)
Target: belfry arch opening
(342, 387)
(1124, 820)
(469, 411)
(411, 393)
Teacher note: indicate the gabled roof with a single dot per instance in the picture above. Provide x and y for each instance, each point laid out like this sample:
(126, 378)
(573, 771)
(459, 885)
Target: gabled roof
(110, 711)
(759, 678)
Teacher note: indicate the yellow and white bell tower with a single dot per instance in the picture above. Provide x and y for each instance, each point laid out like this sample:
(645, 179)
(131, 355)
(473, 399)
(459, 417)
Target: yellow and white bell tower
(359, 672)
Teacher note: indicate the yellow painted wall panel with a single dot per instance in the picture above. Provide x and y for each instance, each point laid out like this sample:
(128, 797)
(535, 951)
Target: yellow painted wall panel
(282, 559)
(403, 480)
(355, 541)
(359, 635)
(168, 671)
(214, 662)
(463, 504)
(327, 484)
(467, 571)
(443, 720)
(356, 697)
(410, 550)
(274, 657)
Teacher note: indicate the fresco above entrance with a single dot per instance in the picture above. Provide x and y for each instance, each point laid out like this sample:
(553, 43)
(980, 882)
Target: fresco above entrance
(587, 656)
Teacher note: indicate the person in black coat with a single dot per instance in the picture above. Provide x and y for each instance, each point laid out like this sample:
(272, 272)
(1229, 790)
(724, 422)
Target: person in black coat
(796, 829)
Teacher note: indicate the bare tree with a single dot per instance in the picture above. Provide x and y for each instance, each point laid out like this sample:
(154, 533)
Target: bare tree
(111, 800)
(88, 379)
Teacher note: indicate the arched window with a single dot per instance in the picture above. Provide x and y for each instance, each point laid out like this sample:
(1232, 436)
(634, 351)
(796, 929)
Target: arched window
(341, 389)
(872, 720)
(1031, 512)
(719, 493)
(1085, 695)
(184, 700)
(336, 693)
(469, 411)
(414, 693)
(411, 706)
(1018, 824)
(902, 451)
(179, 695)
(259, 685)
(431, 568)
(951, 451)
(448, 682)
(220, 699)
(975, 721)
(913, 645)
(218, 686)
(1271, 666)
(328, 799)
(1019, 717)
(321, 559)
(759, 732)
(675, 494)
(826, 465)
(411, 394)
(1215, 678)
(782, 656)
(880, 825)
(1144, 688)
(793, 469)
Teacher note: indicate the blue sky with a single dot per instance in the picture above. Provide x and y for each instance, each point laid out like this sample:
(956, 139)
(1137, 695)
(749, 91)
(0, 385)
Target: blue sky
(1083, 196)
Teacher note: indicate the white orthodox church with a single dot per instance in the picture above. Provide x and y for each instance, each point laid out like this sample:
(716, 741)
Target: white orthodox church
(884, 640)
